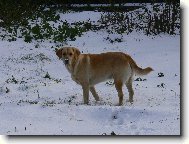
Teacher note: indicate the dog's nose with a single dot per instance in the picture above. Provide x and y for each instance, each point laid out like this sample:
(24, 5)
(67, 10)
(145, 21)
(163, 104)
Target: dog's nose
(66, 61)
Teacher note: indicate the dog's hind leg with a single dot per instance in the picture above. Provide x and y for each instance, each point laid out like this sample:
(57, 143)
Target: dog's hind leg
(94, 93)
(118, 85)
(130, 89)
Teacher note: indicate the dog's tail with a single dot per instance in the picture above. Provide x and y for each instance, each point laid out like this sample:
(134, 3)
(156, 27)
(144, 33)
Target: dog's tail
(137, 70)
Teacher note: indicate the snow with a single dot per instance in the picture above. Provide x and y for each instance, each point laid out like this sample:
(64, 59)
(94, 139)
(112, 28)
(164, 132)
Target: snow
(83, 16)
(35, 105)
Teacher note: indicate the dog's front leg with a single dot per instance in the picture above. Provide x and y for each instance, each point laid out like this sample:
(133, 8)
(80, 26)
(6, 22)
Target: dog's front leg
(94, 93)
(85, 93)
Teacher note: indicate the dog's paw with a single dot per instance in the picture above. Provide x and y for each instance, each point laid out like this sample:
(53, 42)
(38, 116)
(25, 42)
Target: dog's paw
(118, 104)
(86, 103)
(129, 101)
(97, 99)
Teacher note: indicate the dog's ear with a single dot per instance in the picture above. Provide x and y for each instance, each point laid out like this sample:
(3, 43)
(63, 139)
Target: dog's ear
(77, 52)
(59, 53)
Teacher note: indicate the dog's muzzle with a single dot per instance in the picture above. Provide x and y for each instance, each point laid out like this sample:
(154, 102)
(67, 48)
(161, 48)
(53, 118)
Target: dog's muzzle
(66, 61)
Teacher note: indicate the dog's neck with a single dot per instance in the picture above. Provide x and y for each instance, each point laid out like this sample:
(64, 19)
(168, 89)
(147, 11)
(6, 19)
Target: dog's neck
(72, 66)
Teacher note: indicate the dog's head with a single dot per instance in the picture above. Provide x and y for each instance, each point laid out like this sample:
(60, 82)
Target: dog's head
(68, 54)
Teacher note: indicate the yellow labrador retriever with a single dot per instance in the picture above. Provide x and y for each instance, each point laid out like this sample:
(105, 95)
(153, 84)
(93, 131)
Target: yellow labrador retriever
(90, 69)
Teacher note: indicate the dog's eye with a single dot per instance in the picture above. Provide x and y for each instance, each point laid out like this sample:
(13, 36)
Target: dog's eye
(64, 54)
(70, 54)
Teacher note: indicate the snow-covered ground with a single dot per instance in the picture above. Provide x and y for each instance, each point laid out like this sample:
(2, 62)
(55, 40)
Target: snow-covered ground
(31, 104)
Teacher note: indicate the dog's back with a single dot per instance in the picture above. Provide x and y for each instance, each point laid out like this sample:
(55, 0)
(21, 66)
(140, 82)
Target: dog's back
(114, 65)
(108, 65)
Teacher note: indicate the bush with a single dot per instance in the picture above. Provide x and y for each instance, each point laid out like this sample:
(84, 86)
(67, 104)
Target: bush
(37, 27)
(32, 22)
(160, 18)
(116, 22)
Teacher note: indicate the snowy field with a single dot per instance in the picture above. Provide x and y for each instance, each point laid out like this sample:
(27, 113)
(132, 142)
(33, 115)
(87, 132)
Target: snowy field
(38, 96)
